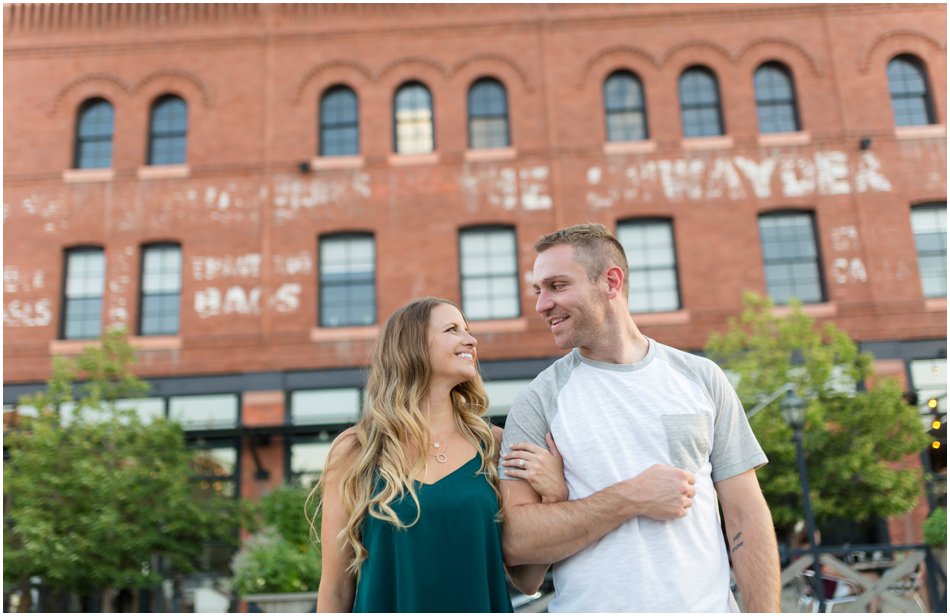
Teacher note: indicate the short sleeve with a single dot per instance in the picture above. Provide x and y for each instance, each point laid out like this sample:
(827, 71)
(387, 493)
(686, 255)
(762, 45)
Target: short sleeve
(735, 449)
(527, 421)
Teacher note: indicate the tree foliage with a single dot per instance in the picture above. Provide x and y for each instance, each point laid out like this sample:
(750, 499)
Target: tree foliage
(853, 438)
(97, 497)
(279, 556)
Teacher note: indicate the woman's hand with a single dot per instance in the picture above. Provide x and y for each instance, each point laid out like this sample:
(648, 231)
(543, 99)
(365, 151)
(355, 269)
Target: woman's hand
(540, 467)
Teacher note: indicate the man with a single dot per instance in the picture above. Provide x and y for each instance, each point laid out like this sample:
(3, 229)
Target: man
(649, 436)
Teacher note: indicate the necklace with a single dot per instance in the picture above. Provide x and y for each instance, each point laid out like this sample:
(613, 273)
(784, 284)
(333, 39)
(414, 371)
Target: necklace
(439, 456)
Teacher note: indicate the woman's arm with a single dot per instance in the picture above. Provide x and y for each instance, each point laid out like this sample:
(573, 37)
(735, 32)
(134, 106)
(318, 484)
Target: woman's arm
(337, 585)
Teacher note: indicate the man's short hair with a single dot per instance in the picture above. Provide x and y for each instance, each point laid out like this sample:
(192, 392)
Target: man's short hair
(595, 247)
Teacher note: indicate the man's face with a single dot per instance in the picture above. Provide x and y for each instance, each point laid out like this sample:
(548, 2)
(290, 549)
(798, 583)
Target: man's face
(573, 307)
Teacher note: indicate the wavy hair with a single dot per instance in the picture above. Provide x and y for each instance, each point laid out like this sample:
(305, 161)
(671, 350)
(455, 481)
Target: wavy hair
(392, 436)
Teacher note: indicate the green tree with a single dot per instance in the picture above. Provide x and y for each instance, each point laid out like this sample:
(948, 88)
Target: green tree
(279, 556)
(853, 437)
(98, 500)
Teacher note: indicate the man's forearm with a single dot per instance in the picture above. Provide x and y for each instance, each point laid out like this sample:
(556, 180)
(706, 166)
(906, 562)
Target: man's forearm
(546, 533)
(755, 560)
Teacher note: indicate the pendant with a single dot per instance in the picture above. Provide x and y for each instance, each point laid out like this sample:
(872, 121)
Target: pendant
(440, 458)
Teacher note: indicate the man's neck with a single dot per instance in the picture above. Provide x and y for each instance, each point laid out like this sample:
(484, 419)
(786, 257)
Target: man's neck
(620, 342)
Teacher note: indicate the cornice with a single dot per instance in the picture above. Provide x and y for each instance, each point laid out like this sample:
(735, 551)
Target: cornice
(23, 21)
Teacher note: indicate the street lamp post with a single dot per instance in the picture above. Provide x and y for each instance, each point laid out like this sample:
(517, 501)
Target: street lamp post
(793, 412)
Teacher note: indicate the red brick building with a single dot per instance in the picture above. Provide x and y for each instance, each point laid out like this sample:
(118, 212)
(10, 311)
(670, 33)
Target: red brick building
(251, 189)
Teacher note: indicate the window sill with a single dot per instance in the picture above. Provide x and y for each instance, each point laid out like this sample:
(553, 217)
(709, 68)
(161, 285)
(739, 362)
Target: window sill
(162, 172)
(935, 304)
(405, 160)
(498, 326)
(718, 142)
(771, 139)
(927, 131)
(72, 347)
(629, 147)
(77, 176)
(825, 309)
(340, 334)
(674, 317)
(156, 343)
(326, 163)
(490, 154)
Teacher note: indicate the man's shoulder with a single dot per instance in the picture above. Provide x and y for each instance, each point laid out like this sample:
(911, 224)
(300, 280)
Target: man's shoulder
(681, 358)
(550, 380)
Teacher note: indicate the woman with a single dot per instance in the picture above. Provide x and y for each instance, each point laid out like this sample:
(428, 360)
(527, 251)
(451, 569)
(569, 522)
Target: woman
(410, 494)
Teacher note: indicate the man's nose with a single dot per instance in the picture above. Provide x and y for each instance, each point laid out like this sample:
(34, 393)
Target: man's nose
(544, 303)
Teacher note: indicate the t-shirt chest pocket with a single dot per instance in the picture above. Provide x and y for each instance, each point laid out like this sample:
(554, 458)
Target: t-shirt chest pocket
(687, 436)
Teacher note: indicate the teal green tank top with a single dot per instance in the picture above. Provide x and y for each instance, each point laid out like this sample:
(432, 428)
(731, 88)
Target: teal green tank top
(449, 561)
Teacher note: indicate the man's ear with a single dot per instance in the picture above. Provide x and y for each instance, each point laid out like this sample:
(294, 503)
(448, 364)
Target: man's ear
(614, 277)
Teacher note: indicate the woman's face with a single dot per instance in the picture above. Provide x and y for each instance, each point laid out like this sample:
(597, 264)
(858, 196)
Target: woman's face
(451, 347)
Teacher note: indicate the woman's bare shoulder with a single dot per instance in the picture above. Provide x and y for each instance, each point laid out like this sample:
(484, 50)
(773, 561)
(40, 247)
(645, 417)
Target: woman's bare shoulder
(345, 447)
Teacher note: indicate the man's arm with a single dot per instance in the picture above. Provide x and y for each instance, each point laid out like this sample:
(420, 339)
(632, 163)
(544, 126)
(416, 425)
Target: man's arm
(751, 542)
(541, 533)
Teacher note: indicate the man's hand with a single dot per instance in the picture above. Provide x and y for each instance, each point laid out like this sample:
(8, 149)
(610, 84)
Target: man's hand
(663, 492)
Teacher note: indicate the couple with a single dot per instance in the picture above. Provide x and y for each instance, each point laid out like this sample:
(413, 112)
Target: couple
(616, 459)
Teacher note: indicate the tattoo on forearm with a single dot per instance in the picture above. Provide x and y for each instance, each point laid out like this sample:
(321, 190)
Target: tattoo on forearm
(737, 543)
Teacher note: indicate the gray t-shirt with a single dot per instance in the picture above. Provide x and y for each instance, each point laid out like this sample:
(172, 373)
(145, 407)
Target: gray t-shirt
(612, 422)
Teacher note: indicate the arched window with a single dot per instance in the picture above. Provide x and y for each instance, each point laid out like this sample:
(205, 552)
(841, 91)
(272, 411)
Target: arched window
(94, 128)
(910, 94)
(412, 119)
(775, 99)
(168, 131)
(488, 115)
(699, 103)
(339, 122)
(624, 107)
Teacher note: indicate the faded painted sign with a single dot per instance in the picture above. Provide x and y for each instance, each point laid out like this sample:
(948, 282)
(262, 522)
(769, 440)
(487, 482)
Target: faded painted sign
(214, 268)
(299, 264)
(238, 300)
(509, 187)
(844, 238)
(735, 177)
(23, 312)
(19, 313)
(848, 270)
(16, 281)
(293, 195)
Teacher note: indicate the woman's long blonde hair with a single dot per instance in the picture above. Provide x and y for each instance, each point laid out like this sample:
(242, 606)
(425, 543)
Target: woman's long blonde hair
(393, 437)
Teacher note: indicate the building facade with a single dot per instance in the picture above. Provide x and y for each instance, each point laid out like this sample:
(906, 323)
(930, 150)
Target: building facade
(251, 189)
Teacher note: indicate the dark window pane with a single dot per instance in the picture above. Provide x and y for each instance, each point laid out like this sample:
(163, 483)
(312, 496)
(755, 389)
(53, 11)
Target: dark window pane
(624, 107)
(699, 103)
(168, 131)
(94, 135)
(910, 96)
(488, 115)
(339, 123)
